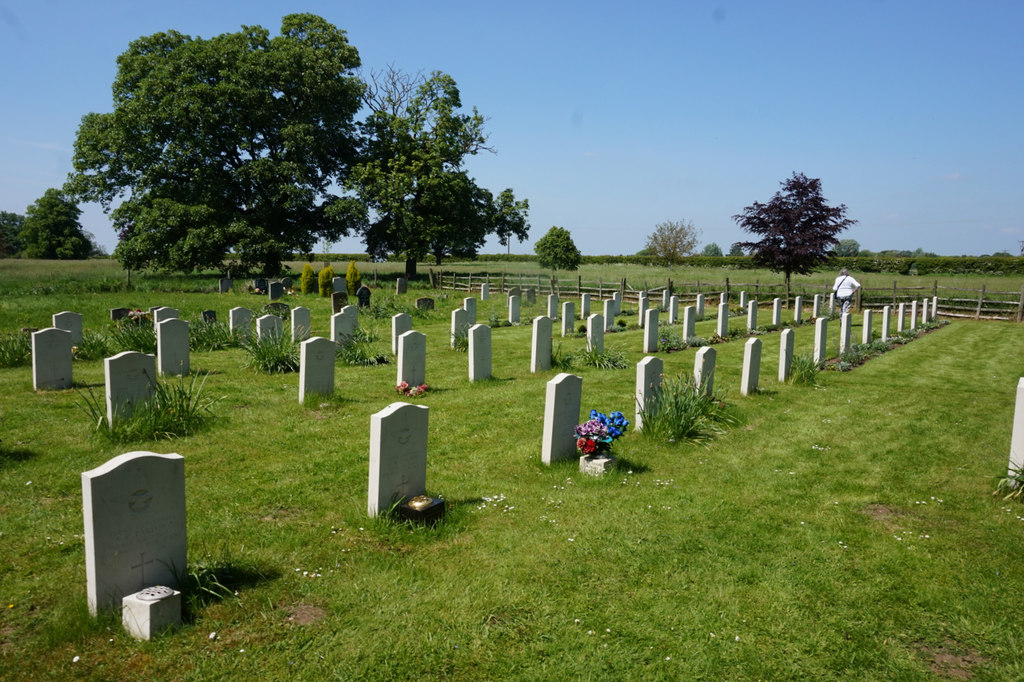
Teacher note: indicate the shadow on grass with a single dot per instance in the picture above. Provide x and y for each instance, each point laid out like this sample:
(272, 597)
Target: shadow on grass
(210, 582)
(11, 457)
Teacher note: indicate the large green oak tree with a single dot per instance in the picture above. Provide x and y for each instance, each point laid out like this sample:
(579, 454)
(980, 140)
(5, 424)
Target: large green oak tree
(225, 148)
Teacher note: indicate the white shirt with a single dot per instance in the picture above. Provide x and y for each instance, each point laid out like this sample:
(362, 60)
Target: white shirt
(844, 286)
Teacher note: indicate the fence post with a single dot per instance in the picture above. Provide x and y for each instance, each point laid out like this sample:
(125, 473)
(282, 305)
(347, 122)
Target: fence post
(502, 281)
(935, 288)
(600, 289)
(579, 284)
(894, 292)
(981, 299)
(1020, 306)
(727, 290)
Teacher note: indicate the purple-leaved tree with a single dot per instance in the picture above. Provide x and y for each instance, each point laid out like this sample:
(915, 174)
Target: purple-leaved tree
(797, 228)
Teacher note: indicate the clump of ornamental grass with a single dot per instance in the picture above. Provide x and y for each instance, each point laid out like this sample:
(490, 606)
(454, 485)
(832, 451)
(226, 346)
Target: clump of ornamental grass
(15, 349)
(204, 336)
(93, 346)
(270, 354)
(175, 409)
(361, 353)
(460, 339)
(804, 371)
(133, 334)
(682, 411)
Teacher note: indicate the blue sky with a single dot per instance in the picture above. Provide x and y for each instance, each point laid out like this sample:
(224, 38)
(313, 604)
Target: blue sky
(611, 117)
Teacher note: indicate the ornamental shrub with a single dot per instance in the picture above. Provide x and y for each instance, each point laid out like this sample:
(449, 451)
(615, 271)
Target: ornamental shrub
(353, 279)
(308, 279)
(327, 281)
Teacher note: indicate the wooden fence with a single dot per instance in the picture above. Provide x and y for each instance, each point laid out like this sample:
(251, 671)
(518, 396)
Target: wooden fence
(978, 304)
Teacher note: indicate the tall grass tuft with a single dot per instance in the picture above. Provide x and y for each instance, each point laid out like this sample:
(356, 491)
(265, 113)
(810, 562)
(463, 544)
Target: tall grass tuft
(137, 335)
(681, 411)
(206, 336)
(176, 409)
(271, 354)
(15, 349)
(804, 371)
(93, 346)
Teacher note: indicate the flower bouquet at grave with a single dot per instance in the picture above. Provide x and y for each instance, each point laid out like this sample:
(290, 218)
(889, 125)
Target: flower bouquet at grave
(412, 391)
(139, 316)
(596, 435)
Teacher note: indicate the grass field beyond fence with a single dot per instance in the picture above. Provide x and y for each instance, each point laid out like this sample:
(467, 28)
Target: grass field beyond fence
(846, 531)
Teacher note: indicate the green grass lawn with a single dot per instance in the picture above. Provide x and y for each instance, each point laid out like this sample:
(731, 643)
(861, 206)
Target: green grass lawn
(846, 531)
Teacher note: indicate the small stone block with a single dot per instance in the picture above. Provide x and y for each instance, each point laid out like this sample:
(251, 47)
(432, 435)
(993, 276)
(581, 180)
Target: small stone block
(422, 509)
(149, 612)
(596, 465)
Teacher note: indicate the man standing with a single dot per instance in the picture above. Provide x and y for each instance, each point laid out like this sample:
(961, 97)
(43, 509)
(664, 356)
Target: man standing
(844, 288)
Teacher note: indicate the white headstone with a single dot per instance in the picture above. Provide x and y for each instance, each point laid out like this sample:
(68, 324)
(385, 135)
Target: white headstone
(51, 359)
(820, 340)
(785, 354)
(866, 330)
(400, 324)
(648, 385)
(723, 320)
(563, 397)
(595, 333)
(459, 325)
(651, 331)
(540, 349)
(469, 305)
(689, 322)
(412, 358)
(723, 298)
(798, 309)
(776, 312)
(584, 306)
(568, 317)
(924, 310)
(816, 311)
(886, 322)
(71, 322)
(269, 327)
(130, 380)
(344, 324)
(553, 306)
(665, 296)
(1016, 467)
(398, 454)
(300, 324)
(485, 291)
(751, 366)
(239, 320)
(164, 313)
(513, 309)
(743, 300)
(641, 306)
(609, 313)
(673, 310)
(704, 369)
(752, 315)
(935, 308)
(479, 352)
(339, 284)
(172, 347)
(699, 305)
(901, 317)
(831, 303)
(913, 314)
(316, 367)
(845, 332)
(134, 513)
